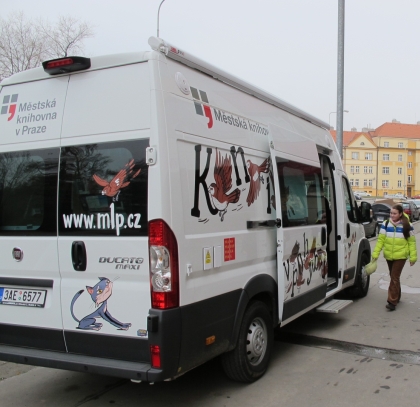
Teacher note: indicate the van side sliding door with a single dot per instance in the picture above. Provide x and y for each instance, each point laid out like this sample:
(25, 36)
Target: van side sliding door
(349, 238)
(302, 263)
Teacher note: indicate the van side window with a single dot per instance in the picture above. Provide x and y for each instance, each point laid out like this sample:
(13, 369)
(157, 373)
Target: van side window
(301, 191)
(103, 189)
(28, 192)
(351, 207)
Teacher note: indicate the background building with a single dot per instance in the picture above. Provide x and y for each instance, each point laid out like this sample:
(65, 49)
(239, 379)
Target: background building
(384, 160)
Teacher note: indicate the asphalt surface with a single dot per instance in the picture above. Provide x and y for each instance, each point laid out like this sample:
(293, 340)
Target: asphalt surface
(367, 321)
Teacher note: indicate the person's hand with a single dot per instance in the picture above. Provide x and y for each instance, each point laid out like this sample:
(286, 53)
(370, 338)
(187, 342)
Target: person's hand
(412, 263)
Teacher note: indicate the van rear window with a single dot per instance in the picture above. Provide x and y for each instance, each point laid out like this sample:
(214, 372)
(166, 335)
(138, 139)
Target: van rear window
(28, 192)
(103, 189)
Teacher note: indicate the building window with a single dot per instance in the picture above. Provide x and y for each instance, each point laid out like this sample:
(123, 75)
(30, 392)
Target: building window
(371, 182)
(399, 157)
(368, 156)
(352, 169)
(385, 183)
(365, 169)
(399, 183)
(354, 156)
(410, 164)
(399, 170)
(385, 157)
(386, 144)
(370, 170)
(352, 183)
(365, 182)
(385, 170)
(356, 182)
(410, 153)
(400, 145)
(357, 169)
(362, 143)
(410, 177)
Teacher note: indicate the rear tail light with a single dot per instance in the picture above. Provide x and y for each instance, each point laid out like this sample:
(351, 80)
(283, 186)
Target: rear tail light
(155, 356)
(164, 280)
(65, 65)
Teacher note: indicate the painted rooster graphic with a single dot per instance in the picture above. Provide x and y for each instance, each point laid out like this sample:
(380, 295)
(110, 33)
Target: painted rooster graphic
(255, 172)
(219, 190)
(121, 180)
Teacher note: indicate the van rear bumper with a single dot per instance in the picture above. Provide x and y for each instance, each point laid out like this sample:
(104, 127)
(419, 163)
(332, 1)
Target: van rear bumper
(81, 363)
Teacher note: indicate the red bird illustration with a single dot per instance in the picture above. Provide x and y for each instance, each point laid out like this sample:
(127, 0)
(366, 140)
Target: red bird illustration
(255, 172)
(121, 180)
(219, 190)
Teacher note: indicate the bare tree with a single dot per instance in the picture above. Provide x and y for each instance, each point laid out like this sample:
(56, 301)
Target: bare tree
(66, 36)
(21, 45)
(25, 43)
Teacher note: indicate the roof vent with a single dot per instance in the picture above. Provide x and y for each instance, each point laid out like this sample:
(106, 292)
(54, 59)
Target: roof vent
(418, 122)
(353, 129)
(395, 121)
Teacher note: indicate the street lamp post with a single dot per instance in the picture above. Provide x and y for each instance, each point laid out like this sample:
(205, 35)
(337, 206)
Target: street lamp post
(329, 117)
(160, 5)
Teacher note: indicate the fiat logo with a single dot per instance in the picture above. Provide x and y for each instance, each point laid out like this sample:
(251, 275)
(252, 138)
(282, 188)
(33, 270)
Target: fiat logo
(17, 253)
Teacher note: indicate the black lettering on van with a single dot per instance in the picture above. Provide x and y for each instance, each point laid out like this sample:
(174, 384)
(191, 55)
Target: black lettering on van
(234, 154)
(201, 179)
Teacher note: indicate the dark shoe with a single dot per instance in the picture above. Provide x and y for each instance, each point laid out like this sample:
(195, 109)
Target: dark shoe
(390, 306)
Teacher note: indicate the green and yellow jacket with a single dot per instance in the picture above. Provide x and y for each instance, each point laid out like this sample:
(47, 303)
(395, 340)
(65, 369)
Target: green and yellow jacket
(395, 245)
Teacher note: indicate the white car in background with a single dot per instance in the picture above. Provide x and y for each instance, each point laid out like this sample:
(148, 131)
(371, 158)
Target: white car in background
(362, 193)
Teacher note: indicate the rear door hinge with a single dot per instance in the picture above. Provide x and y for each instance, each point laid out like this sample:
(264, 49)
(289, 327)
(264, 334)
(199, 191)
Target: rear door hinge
(151, 155)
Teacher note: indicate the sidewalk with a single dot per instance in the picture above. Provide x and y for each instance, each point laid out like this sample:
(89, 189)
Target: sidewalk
(367, 321)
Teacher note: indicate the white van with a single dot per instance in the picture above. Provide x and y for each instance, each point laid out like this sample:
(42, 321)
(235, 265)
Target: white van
(157, 212)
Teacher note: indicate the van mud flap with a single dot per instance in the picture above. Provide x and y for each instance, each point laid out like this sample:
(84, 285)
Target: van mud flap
(333, 306)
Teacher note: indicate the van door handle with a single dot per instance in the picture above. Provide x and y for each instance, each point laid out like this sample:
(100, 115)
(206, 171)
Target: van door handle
(348, 230)
(323, 236)
(78, 256)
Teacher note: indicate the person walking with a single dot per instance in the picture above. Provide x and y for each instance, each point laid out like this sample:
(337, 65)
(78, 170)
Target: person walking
(397, 239)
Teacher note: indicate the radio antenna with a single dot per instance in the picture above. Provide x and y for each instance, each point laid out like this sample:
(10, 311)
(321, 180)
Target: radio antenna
(160, 5)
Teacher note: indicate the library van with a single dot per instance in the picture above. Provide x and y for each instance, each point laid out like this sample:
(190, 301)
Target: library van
(157, 212)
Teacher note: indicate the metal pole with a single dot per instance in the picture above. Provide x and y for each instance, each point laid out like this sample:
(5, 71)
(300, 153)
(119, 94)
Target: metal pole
(160, 5)
(340, 75)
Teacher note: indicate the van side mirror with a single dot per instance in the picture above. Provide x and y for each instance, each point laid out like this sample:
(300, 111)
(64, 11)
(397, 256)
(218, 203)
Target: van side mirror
(365, 212)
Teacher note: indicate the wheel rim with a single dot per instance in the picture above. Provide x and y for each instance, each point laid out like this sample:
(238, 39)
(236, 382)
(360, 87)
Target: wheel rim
(364, 276)
(256, 344)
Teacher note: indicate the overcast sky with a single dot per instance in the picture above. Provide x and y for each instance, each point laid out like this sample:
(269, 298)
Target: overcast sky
(286, 47)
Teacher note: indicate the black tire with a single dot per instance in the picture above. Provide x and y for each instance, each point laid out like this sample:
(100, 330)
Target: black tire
(361, 283)
(250, 358)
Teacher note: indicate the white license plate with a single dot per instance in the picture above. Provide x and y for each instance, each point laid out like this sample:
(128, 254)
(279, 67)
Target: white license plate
(23, 297)
(380, 218)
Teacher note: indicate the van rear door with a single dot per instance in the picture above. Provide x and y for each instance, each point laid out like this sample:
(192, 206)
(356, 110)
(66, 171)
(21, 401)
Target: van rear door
(30, 297)
(103, 213)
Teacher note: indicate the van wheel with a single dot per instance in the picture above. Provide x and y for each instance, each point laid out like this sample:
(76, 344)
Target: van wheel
(250, 358)
(361, 284)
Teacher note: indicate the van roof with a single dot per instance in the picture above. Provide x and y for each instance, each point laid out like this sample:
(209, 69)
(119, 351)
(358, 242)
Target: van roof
(170, 51)
(158, 44)
(98, 62)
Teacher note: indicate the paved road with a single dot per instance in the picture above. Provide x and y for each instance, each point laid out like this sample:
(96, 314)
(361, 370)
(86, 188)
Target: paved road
(330, 371)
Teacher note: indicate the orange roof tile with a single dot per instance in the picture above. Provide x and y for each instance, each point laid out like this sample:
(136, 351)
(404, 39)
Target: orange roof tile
(349, 136)
(397, 130)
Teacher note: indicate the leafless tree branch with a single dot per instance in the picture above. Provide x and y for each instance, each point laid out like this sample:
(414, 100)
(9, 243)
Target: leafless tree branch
(25, 43)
